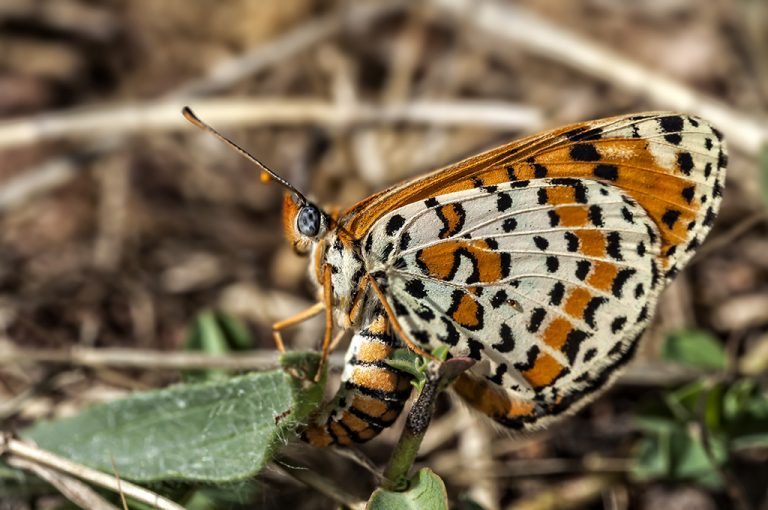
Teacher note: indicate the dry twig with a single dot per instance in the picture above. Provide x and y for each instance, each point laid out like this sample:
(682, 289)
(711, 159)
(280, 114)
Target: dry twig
(13, 449)
(251, 112)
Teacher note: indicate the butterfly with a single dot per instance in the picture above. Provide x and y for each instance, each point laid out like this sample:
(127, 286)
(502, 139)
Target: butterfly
(542, 260)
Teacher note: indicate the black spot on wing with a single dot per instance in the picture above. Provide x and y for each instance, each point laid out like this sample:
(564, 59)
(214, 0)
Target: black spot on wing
(540, 242)
(607, 172)
(722, 159)
(584, 152)
(405, 240)
(498, 375)
(591, 352)
(627, 215)
(582, 269)
(620, 280)
(671, 123)
(425, 313)
(685, 162)
(614, 245)
(506, 341)
(499, 299)
(596, 215)
(553, 264)
(618, 324)
(591, 308)
(475, 349)
(572, 344)
(537, 317)
(556, 294)
(541, 196)
(530, 360)
(509, 224)
(572, 241)
(669, 218)
(415, 288)
(709, 217)
(394, 224)
(688, 193)
(503, 202)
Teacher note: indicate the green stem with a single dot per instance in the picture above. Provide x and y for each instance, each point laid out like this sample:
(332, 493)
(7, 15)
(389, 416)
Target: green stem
(438, 377)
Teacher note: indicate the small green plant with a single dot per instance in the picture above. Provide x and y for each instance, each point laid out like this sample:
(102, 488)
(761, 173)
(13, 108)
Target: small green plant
(696, 430)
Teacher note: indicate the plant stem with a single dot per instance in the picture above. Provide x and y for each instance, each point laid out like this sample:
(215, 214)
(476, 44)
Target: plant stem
(438, 377)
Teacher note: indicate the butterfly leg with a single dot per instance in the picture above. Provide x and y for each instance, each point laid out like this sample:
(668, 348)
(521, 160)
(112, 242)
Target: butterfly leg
(290, 321)
(328, 335)
(372, 394)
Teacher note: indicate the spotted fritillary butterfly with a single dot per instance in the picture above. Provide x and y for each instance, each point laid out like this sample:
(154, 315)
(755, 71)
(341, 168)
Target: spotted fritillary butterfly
(542, 260)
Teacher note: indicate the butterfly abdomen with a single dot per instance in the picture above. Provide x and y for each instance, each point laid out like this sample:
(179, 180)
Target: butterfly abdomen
(372, 393)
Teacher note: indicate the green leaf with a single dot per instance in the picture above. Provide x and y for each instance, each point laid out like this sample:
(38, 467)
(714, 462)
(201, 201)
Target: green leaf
(216, 431)
(205, 335)
(689, 457)
(411, 363)
(652, 457)
(694, 348)
(426, 491)
(236, 332)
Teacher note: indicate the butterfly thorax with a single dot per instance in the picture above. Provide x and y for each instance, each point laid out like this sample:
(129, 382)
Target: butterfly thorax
(347, 278)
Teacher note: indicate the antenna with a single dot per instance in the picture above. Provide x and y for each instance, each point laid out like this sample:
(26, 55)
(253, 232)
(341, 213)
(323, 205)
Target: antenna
(195, 120)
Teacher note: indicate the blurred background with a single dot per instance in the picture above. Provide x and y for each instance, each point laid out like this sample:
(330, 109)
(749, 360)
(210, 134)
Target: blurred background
(120, 224)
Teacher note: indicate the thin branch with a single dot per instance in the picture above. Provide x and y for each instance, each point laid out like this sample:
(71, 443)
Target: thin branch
(49, 175)
(15, 449)
(237, 112)
(259, 359)
(71, 488)
(512, 24)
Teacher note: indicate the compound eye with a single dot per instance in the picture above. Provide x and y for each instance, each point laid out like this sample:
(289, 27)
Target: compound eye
(308, 221)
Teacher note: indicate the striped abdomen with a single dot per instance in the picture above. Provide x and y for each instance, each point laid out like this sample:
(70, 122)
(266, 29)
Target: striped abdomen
(372, 393)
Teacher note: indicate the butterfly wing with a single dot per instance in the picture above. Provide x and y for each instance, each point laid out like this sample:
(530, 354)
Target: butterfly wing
(545, 261)
(671, 164)
(544, 282)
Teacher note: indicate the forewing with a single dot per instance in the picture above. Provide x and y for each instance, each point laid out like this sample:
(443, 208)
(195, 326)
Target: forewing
(671, 164)
(547, 282)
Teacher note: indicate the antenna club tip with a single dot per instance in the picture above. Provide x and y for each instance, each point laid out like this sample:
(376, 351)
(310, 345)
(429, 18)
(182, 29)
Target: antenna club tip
(191, 117)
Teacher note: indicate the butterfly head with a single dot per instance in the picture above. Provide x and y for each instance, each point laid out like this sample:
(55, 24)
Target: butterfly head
(303, 222)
